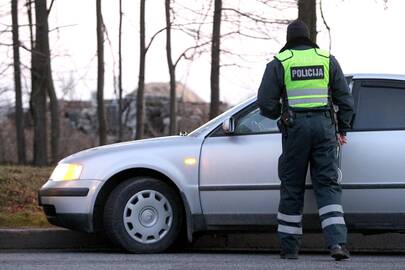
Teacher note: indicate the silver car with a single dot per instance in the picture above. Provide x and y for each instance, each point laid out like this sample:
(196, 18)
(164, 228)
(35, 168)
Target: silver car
(223, 176)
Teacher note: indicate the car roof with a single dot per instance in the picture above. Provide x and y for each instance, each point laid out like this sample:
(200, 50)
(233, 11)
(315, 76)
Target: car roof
(377, 76)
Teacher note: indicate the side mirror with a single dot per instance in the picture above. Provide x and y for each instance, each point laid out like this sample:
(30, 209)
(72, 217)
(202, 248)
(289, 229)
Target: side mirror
(228, 126)
(183, 133)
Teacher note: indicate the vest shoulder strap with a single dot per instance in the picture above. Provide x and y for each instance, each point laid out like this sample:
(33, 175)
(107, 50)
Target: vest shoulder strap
(323, 53)
(287, 54)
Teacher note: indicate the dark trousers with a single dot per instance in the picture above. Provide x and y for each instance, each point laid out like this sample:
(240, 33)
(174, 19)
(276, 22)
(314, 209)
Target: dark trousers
(310, 141)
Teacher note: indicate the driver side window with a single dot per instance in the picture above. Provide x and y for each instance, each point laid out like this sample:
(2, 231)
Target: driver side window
(255, 123)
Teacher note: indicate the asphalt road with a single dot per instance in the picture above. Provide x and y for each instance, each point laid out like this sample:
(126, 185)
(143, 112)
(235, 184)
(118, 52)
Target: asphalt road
(54, 260)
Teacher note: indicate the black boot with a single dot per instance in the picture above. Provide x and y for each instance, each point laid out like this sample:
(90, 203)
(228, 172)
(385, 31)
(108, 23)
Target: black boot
(339, 252)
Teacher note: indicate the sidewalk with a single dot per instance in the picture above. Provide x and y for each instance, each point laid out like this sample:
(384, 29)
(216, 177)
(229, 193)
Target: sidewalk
(66, 239)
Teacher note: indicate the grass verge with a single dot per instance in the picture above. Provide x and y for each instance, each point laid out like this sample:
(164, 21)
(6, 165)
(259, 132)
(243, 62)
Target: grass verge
(18, 196)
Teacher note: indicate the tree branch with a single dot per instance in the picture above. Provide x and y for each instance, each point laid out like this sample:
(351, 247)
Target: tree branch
(63, 26)
(326, 25)
(152, 38)
(50, 7)
(255, 18)
(184, 53)
(5, 69)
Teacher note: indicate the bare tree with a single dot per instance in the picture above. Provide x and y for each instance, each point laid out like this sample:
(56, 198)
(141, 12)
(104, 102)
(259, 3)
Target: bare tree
(102, 125)
(55, 128)
(215, 59)
(40, 58)
(190, 28)
(19, 113)
(172, 71)
(307, 13)
(42, 83)
(230, 21)
(326, 25)
(53, 99)
(120, 109)
(140, 103)
(28, 5)
(143, 49)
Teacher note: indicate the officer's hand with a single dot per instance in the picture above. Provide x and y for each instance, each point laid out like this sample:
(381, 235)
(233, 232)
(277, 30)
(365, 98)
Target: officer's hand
(342, 139)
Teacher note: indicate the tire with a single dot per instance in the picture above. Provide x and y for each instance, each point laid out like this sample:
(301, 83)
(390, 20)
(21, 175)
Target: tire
(143, 215)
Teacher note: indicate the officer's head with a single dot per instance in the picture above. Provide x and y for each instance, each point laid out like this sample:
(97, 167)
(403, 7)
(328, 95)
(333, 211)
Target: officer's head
(297, 29)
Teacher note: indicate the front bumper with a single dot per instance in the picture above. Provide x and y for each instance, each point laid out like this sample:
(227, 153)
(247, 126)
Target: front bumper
(70, 204)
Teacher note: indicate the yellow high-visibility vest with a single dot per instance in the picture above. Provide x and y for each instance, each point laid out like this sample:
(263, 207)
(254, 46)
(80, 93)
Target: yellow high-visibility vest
(306, 77)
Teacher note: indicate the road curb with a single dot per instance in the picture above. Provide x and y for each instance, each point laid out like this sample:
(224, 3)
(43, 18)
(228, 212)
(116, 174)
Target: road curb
(313, 242)
(51, 239)
(390, 243)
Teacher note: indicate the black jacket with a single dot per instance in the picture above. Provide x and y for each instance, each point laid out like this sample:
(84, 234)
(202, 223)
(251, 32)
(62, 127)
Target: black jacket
(272, 86)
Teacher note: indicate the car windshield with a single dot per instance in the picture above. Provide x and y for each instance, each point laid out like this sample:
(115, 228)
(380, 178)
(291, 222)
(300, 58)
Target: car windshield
(210, 123)
(216, 121)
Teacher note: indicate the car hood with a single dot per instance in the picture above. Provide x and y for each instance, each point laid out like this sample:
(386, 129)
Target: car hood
(137, 145)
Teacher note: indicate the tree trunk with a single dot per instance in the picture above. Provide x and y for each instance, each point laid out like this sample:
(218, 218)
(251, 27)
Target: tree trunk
(307, 13)
(102, 126)
(40, 84)
(120, 74)
(172, 71)
(19, 113)
(30, 25)
(141, 77)
(32, 43)
(32, 48)
(215, 59)
(54, 106)
(53, 101)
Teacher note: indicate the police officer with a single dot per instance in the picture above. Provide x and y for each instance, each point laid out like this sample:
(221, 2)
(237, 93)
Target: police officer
(302, 85)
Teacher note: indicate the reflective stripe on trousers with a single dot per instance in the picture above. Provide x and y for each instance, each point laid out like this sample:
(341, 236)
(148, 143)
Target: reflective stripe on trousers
(289, 229)
(289, 218)
(332, 221)
(283, 228)
(331, 208)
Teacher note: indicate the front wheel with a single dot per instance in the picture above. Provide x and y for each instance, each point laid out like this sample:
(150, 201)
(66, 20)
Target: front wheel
(143, 215)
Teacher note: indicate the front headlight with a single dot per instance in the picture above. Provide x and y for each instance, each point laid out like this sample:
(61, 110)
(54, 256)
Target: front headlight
(66, 172)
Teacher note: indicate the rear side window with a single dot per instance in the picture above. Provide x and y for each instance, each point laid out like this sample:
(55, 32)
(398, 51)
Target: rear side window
(380, 106)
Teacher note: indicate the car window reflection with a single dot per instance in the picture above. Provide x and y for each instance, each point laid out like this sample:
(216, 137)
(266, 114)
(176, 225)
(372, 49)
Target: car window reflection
(254, 122)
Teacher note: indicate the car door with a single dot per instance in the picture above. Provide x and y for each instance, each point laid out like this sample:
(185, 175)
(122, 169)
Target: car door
(373, 162)
(239, 182)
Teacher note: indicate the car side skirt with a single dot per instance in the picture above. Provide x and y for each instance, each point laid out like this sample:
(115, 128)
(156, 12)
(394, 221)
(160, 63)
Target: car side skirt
(307, 187)
(358, 222)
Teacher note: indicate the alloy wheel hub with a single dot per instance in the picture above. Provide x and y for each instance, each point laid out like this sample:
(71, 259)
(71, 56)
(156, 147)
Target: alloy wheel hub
(148, 217)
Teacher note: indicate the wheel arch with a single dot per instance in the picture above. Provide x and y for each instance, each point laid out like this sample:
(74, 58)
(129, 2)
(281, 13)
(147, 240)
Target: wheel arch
(123, 175)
